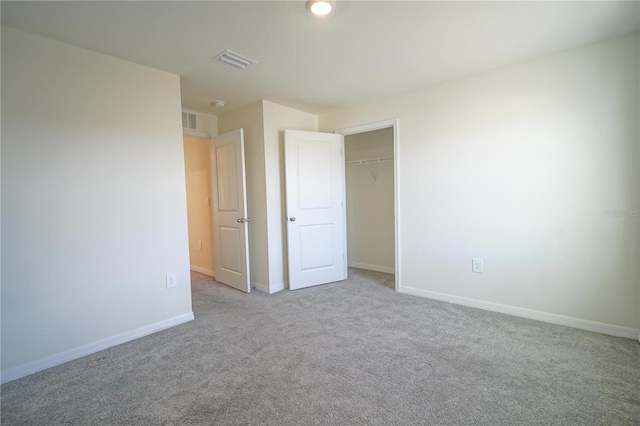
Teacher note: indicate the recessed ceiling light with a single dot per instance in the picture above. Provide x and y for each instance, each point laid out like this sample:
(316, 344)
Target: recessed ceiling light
(320, 7)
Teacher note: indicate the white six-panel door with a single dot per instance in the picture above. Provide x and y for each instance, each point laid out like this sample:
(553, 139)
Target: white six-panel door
(230, 239)
(315, 197)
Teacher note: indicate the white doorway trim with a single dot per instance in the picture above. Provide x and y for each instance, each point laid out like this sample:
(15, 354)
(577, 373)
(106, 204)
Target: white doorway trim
(393, 123)
(195, 134)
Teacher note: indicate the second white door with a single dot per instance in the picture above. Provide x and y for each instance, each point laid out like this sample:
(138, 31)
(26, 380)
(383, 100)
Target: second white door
(315, 206)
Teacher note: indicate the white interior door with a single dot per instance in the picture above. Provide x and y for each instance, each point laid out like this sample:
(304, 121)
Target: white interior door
(230, 239)
(315, 197)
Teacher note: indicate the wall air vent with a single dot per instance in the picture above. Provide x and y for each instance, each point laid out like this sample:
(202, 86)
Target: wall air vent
(232, 58)
(189, 121)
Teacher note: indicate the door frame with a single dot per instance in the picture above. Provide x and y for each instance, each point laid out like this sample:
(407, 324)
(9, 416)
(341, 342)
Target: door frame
(385, 124)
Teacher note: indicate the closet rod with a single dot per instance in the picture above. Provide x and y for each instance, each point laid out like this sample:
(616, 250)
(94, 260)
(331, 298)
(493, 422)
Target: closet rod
(370, 160)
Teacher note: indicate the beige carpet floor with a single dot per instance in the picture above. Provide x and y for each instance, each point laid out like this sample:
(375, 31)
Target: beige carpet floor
(349, 353)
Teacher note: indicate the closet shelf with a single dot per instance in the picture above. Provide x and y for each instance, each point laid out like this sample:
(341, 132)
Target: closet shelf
(371, 160)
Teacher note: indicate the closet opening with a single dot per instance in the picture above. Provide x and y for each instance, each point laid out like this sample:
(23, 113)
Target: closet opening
(371, 199)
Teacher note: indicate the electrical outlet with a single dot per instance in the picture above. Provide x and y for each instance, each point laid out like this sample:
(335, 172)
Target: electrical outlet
(208, 201)
(172, 281)
(477, 265)
(199, 244)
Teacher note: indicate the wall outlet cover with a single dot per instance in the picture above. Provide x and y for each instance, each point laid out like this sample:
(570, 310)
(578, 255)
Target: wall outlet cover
(477, 265)
(171, 279)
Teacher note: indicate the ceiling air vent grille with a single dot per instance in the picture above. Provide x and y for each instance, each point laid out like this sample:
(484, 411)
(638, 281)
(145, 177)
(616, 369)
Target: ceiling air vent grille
(232, 58)
(189, 121)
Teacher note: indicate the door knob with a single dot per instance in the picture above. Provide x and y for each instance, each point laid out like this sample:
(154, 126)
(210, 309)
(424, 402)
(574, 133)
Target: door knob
(241, 220)
(292, 219)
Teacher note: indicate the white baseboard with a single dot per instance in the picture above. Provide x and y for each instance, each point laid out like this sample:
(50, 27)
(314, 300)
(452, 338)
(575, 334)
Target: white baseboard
(376, 268)
(268, 289)
(202, 270)
(276, 288)
(599, 327)
(260, 287)
(91, 348)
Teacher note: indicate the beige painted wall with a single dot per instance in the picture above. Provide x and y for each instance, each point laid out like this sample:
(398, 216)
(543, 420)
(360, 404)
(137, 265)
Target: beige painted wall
(518, 166)
(206, 125)
(196, 163)
(374, 144)
(250, 118)
(370, 208)
(277, 118)
(93, 202)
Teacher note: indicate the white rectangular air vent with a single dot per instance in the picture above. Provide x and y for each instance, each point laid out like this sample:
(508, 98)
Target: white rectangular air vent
(189, 121)
(232, 58)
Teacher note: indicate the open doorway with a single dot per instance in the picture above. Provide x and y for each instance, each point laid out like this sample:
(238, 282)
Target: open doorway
(197, 179)
(371, 175)
(216, 208)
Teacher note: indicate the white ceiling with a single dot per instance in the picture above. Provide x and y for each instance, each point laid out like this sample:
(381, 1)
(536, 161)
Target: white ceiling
(363, 51)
